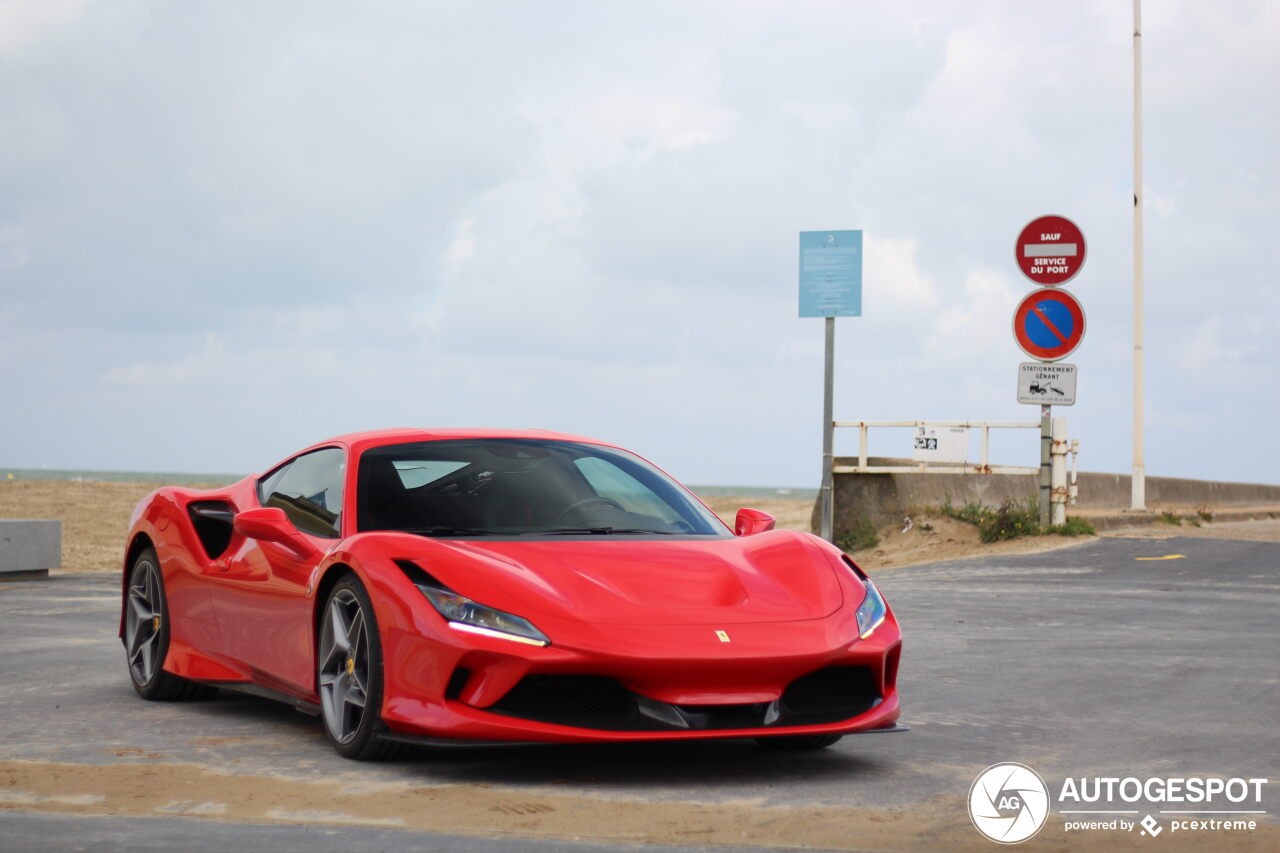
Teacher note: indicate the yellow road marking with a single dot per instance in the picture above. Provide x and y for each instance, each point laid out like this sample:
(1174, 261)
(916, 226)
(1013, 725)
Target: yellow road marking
(1165, 557)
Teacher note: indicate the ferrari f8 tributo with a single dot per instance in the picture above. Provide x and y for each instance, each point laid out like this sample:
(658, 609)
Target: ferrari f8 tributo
(418, 586)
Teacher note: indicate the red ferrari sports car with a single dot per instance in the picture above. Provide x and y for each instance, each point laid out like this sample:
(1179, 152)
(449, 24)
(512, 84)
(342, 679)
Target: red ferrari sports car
(423, 586)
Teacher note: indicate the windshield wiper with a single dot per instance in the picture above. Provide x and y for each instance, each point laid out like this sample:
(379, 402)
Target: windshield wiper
(447, 531)
(603, 531)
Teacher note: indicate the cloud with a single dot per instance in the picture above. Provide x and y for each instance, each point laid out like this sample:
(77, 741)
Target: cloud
(1207, 358)
(980, 317)
(25, 24)
(892, 269)
(315, 218)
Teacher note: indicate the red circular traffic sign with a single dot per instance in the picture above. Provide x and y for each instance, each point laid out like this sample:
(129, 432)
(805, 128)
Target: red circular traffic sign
(1048, 324)
(1050, 250)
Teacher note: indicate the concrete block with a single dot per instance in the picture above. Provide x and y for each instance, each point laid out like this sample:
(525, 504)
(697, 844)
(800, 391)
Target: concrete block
(29, 547)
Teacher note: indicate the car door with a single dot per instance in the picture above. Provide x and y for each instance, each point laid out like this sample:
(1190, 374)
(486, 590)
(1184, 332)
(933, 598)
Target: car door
(260, 593)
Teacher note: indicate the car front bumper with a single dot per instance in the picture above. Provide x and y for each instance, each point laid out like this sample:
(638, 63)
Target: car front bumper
(668, 683)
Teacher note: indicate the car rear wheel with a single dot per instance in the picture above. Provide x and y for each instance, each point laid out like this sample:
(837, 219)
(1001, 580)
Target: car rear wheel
(146, 636)
(349, 674)
(798, 742)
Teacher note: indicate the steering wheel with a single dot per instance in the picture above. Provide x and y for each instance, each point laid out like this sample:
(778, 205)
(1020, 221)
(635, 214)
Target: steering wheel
(569, 510)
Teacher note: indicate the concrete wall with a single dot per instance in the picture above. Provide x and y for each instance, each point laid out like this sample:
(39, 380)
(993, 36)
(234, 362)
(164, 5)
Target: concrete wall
(1113, 490)
(883, 498)
(29, 547)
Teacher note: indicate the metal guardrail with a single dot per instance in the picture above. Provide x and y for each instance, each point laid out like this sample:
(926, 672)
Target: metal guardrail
(983, 467)
(1054, 446)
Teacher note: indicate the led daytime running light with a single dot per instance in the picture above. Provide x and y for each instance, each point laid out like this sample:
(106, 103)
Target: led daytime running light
(497, 635)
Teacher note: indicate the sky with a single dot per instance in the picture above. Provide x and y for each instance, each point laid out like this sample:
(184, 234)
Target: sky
(230, 230)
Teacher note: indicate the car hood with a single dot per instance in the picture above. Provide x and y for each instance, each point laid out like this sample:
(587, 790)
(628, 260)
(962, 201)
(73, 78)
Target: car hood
(770, 577)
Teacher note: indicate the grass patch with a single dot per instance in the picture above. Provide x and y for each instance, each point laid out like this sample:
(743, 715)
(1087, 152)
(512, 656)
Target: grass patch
(1011, 519)
(1193, 521)
(1074, 527)
(1170, 517)
(861, 535)
(1205, 515)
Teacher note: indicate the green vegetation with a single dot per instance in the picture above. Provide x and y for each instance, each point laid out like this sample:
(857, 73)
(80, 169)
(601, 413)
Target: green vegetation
(1011, 520)
(1170, 517)
(1074, 527)
(861, 535)
(1205, 515)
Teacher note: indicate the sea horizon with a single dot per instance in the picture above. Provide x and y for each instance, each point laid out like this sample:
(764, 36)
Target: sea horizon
(180, 478)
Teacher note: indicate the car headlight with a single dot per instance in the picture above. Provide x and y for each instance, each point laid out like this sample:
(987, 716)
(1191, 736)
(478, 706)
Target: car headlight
(472, 617)
(871, 612)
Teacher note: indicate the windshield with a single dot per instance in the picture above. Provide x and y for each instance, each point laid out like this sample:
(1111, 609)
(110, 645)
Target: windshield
(522, 487)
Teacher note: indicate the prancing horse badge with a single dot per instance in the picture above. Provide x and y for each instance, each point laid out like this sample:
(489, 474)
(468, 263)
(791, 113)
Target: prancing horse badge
(722, 637)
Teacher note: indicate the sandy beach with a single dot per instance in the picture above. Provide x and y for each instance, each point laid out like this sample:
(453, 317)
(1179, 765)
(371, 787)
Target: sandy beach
(95, 518)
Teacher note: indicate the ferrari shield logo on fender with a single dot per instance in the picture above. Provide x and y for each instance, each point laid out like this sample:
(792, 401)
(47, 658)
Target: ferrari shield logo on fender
(722, 637)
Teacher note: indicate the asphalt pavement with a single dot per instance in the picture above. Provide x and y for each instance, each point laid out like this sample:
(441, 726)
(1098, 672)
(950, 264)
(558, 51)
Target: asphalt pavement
(1118, 657)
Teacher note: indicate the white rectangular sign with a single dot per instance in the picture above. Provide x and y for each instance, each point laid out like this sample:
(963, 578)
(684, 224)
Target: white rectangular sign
(1043, 384)
(940, 444)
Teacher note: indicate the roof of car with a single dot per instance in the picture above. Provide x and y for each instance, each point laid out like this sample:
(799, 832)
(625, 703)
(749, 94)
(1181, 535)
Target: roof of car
(359, 441)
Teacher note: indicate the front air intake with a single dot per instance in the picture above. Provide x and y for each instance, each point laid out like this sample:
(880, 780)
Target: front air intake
(597, 702)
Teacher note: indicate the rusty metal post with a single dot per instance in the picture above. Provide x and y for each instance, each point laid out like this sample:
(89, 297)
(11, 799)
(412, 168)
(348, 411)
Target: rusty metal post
(1074, 488)
(1046, 473)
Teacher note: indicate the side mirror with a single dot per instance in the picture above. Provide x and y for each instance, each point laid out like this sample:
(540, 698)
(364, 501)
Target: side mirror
(270, 524)
(751, 521)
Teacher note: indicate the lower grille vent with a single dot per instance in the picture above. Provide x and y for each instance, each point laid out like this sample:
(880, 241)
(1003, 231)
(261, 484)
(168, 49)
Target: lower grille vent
(597, 702)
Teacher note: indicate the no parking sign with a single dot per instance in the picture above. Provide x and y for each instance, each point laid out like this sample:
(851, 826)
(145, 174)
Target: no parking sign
(1049, 324)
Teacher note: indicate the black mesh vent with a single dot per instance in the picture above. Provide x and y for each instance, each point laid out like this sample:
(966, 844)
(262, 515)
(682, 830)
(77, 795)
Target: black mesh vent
(846, 690)
(595, 702)
(589, 701)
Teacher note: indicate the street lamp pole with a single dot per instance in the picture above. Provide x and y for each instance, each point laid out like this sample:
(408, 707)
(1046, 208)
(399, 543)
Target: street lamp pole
(1138, 500)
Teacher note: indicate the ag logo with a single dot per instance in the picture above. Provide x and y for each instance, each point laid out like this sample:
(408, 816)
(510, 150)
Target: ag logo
(1008, 803)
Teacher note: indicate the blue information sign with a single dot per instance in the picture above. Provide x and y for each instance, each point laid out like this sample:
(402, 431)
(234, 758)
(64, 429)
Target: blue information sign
(830, 273)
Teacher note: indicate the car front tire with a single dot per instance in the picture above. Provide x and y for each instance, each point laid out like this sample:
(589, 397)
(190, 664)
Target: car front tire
(349, 674)
(146, 636)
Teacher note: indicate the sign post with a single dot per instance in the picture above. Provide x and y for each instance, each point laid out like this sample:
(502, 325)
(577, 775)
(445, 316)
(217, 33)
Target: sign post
(1048, 324)
(826, 523)
(1046, 465)
(830, 287)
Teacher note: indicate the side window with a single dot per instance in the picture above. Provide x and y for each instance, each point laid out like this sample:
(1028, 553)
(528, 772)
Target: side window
(610, 481)
(309, 490)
